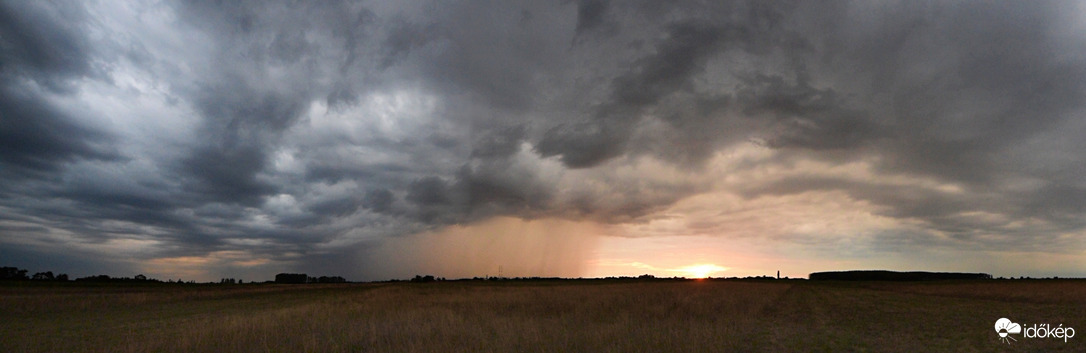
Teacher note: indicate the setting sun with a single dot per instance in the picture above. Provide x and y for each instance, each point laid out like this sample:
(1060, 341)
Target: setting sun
(701, 270)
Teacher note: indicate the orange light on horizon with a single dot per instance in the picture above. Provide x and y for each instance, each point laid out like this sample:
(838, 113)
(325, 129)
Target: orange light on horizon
(701, 270)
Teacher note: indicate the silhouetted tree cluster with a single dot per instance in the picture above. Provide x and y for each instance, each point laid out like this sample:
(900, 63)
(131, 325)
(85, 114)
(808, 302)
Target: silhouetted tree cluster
(896, 276)
(644, 277)
(423, 279)
(98, 278)
(229, 281)
(291, 278)
(18, 274)
(494, 278)
(13, 274)
(298, 278)
(106, 278)
(331, 279)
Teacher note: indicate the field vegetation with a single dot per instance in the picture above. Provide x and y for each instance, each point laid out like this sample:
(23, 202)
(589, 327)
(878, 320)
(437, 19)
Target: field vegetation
(536, 316)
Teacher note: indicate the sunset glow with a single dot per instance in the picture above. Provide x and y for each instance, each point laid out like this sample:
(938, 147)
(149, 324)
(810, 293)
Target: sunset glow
(701, 271)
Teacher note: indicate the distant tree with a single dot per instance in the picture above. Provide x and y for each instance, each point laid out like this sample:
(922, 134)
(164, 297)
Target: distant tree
(43, 276)
(98, 278)
(62, 277)
(293, 278)
(12, 273)
(140, 277)
(332, 279)
(423, 279)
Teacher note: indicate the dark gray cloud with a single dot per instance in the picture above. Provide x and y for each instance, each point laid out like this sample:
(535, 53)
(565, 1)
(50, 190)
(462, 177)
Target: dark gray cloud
(228, 174)
(498, 143)
(378, 200)
(805, 117)
(591, 14)
(43, 42)
(668, 71)
(41, 51)
(280, 135)
(35, 137)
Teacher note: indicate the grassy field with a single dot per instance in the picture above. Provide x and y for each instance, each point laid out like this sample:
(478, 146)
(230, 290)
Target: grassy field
(578, 316)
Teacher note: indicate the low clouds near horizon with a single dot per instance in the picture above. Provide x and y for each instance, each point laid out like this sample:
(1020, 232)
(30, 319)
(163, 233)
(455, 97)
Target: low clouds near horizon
(379, 140)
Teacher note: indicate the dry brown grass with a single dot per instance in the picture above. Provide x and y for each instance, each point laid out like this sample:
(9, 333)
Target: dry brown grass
(534, 317)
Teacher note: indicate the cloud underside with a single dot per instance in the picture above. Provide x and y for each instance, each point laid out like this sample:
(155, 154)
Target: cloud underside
(285, 135)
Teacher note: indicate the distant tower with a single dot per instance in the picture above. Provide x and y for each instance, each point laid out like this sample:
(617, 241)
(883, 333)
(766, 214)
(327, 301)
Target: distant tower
(778, 274)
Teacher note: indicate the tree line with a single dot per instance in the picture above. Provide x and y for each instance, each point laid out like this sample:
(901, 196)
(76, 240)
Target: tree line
(18, 274)
(879, 275)
(299, 278)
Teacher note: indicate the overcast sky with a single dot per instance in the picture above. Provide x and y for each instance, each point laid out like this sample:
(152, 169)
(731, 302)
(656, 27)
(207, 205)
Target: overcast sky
(378, 140)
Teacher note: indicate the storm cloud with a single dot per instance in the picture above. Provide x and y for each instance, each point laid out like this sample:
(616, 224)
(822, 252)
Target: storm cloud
(243, 139)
